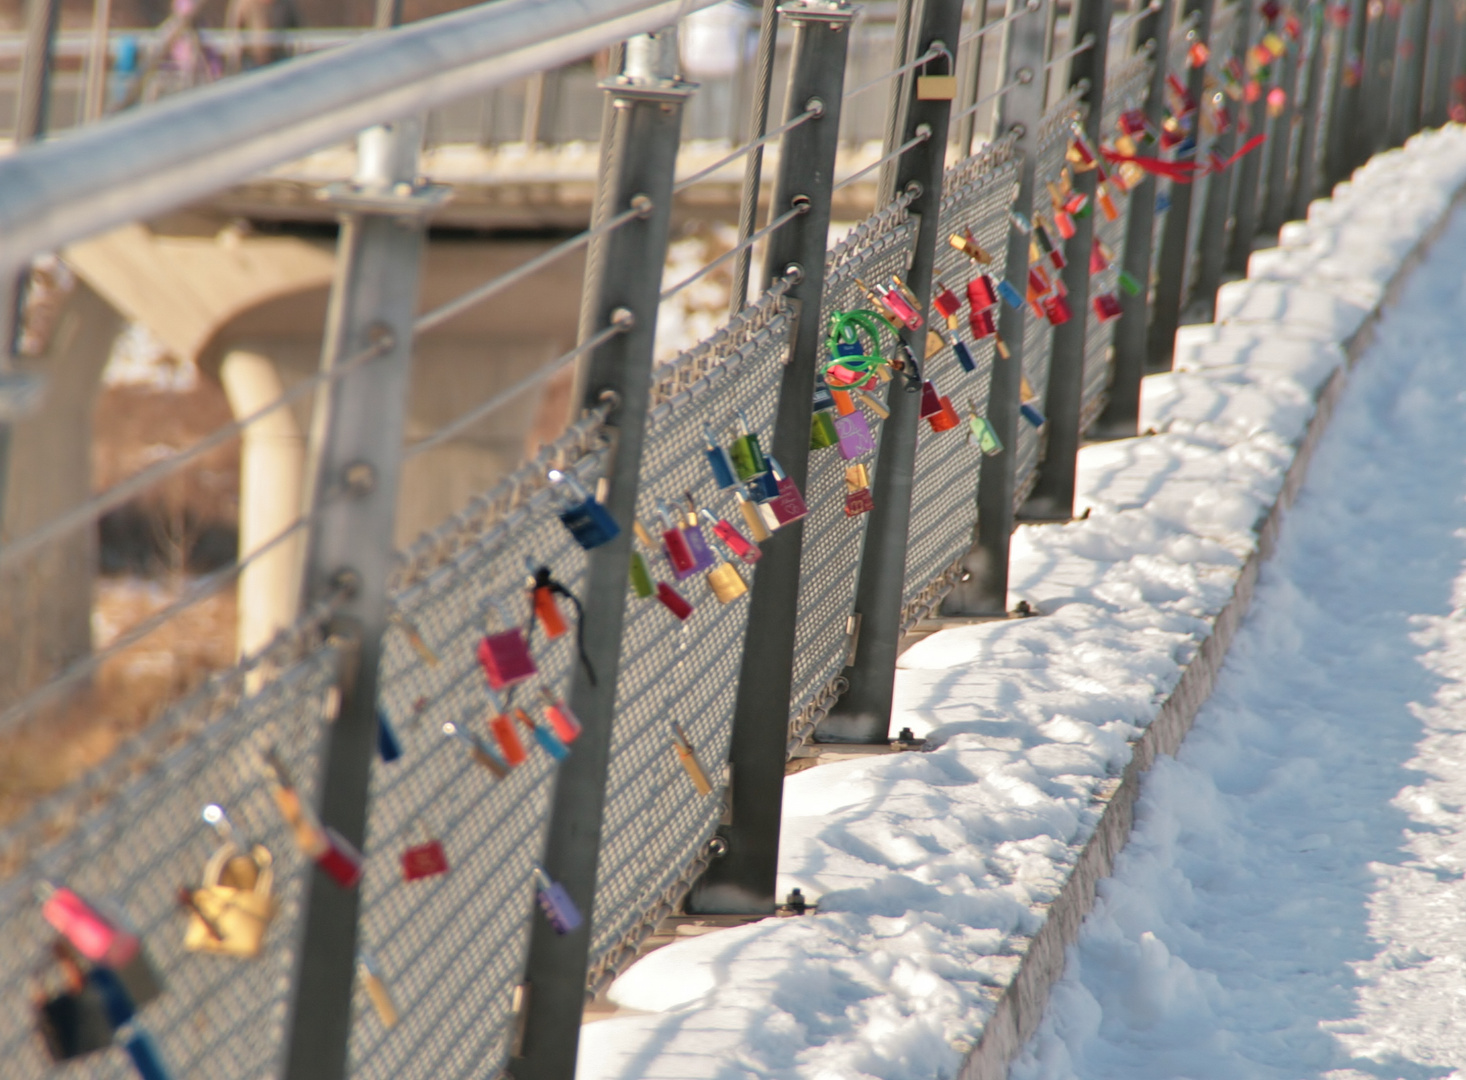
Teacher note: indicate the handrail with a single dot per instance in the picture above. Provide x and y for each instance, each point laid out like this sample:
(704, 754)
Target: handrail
(150, 160)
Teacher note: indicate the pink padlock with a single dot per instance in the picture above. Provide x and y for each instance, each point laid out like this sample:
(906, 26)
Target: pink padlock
(506, 659)
(854, 434)
(93, 934)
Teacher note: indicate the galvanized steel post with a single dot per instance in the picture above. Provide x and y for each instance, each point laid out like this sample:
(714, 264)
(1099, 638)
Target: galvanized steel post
(1310, 112)
(1280, 143)
(1435, 80)
(646, 127)
(1053, 496)
(743, 879)
(1217, 213)
(1122, 414)
(1408, 86)
(352, 474)
(1345, 88)
(1249, 176)
(1171, 269)
(863, 714)
(984, 587)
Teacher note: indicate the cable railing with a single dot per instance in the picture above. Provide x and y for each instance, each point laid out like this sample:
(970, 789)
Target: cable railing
(585, 646)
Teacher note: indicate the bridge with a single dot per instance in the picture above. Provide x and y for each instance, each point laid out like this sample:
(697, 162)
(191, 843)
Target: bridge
(490, 733)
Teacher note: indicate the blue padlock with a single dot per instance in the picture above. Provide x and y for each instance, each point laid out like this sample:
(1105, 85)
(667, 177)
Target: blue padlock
(555, 902)
(1032, 415)
(823, 399)
(590, 523)
(1010, 294)
(718, 461)
(963, 354)
(389, 746)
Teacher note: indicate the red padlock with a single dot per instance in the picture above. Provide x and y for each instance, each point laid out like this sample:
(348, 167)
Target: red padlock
(1057, 309)
(946, 417)
(424, 860)
(981, 294)
(931, 401)
(1106, 307)
(506, 659)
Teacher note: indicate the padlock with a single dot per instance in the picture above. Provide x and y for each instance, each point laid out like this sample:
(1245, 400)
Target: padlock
(912, 300)
(232, 909)
(323, 845)
(414, 639)
(376, 991)
(1106, 203)
(763, 488)
(906, 314)
(424, 860)
(982, 324)
(590, 523)
(547, 612)
(1021, 222)
(1057, 309)
(564, 723)
(935, 343)
(844, 403)
(555, 902)
(963, 354)
(506, 659)
(858, 498)
(674, 544)
(702, 555)
(1001, 346)
(501, 727)
(822, 433)
(874, 404)
(789, 506)
(641, 578)
(735, 540)
(1129, 283)
(74, 1022)
(95, 936)
(822, 396)
(980, 293)
(477, 749)
(745, 453)
(1099, 260)
(1064, 225)
(549, 742)
(389, 746)
(982, 433)
(1106, 307)
(854, 434)
(1038, 281)
(752, 518)
(946, 419)
(1198, 55)
(1041, 236)
(687, 758)
(726, 584)
(931, 400)
(673, 601)
(965, 243)
(878, 302)
(945, 301)
(1010, 294)
(937, 87)
(718, 461)
(1133, 122)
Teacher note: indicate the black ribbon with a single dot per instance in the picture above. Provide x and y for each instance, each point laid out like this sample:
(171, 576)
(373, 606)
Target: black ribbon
(544, 580)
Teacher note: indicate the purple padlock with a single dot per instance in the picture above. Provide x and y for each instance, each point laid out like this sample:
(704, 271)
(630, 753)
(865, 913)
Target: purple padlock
(854, 434)
(555, 902)
(702, 555)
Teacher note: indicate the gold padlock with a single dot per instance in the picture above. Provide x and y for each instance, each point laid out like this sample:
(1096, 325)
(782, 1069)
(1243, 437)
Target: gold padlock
(233, 908)
(936, 87)
(727, 584)
(857, 476)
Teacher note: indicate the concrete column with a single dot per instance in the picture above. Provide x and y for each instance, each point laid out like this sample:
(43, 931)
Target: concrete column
(271, 471)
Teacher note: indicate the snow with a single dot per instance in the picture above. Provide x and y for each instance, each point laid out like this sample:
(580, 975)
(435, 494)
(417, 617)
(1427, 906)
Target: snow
(933, 870)
(1293, 900)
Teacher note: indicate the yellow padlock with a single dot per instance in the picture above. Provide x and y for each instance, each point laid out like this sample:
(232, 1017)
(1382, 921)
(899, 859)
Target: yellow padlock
(727, 584)
(231, 911)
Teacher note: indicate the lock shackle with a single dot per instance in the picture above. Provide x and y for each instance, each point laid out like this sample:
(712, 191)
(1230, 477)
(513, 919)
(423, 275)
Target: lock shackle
(664, 511)
(571, 482)
(214, 815)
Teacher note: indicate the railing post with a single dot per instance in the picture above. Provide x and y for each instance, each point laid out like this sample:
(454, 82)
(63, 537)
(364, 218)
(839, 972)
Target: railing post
(1249, 173)
(1122, 414)
(646, 126)
(984, 591)
(1171, 269)
(1339, 154)
(742, 881)
(1311, 113)
(1053, 495)
(863, 714)
(1280, 144)
(352, 475)
(1218, 210)
(1379, 68)
(1435, 92)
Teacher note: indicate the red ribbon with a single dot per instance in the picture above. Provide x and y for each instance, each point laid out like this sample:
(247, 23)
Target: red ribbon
(1180, 172)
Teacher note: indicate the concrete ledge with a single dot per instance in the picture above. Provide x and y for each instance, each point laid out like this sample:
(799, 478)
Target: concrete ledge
(1290, 308)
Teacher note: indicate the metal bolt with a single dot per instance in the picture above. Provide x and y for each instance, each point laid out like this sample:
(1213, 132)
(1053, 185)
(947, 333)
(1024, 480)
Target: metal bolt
(816, 106)
(642, 204)
(800, 204)
(1025, 75)
(346, 582)
(381, 335)
(623, 319)
(717, 847)
(359, 478)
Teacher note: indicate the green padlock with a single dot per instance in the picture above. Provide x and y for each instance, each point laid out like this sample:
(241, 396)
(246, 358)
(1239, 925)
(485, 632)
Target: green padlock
(641, 580)
(822, 431)
(746, 454)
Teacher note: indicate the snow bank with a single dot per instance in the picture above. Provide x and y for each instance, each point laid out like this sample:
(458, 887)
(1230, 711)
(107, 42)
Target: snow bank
(949, 882)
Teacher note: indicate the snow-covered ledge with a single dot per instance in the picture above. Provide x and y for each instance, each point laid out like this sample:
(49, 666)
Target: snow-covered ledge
(950, 882)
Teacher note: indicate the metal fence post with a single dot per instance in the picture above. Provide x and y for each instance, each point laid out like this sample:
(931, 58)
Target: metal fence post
(1311, 115)
(863, 714)
(742, 881)
(1435, 91)
(1344, 93)
(1171, 269)
(352, 474)
(984, 590)
(1053, 495)
(1122, 414)
(1409, 81)
(1379, 67)
(1218, 210)
(1249, 182)
(1280, 145)
(644, 135)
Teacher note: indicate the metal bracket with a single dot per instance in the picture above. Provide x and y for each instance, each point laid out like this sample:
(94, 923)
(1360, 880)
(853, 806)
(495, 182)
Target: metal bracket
(826, 11)
(402, 200)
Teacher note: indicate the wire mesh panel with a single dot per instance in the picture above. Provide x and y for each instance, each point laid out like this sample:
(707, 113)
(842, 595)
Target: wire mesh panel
(133, 836)
(452, 946)
(1125, 88)
(657, 822)
(1038, 334)
(878, 248)
(976, 195)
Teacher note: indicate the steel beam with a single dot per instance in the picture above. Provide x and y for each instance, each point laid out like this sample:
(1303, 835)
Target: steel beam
(646, 128)
(742, 881)
(1216, 215)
